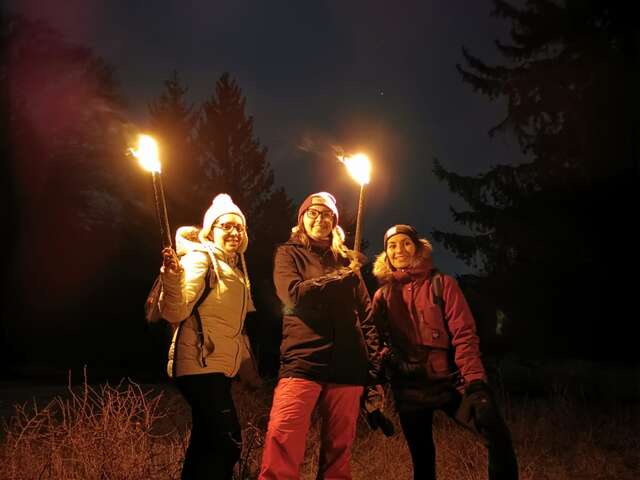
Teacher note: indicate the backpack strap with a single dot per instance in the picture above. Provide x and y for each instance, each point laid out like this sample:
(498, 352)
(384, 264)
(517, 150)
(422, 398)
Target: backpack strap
(386, 324)
(196, 313)
(437, 287)
(436, 292)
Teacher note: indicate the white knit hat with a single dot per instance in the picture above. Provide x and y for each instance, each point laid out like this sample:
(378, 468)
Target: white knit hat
(221, 205)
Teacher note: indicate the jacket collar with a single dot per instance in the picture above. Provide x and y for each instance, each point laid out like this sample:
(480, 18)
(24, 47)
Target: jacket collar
(413, 274)
(230, 260)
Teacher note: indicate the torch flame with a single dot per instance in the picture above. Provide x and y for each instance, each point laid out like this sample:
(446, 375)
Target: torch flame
(147, 153)
(359, 167)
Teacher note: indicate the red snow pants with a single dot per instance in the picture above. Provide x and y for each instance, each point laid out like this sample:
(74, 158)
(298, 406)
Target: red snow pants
(293, 402)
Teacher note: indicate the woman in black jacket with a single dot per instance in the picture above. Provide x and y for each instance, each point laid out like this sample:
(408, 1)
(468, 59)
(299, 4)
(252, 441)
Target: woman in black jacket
(324, 350)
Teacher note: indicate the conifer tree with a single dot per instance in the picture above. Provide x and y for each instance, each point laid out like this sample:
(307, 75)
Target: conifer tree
(234, 162)
(232, 159)
(570, 80)
(74, 208)
(173, 120)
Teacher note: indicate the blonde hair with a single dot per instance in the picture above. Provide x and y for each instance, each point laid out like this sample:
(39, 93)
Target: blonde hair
(338, 248)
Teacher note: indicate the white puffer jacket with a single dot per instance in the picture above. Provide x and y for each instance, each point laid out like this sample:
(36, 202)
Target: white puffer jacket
(223, 311)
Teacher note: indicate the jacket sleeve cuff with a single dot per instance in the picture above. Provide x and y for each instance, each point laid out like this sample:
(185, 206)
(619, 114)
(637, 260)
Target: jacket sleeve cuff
(473, 377)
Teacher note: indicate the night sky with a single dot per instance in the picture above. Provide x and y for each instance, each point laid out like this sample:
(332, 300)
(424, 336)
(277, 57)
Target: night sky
(362, 75)
(371, 76)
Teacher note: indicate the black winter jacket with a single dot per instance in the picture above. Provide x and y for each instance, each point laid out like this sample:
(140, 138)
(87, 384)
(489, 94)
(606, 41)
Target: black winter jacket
(325, 306)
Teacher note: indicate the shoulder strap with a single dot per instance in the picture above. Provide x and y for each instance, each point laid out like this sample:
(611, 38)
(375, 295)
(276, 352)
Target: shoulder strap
(205, 291)
(437, 287)
(386, 296)
(199, 330)
(196, 313)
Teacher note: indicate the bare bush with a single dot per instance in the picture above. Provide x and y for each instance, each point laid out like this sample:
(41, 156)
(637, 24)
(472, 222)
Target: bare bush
(124, 432)
(109, 432)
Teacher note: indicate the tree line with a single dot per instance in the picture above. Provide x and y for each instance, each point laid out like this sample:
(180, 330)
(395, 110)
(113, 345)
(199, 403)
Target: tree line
(548, 234)
(84, 239)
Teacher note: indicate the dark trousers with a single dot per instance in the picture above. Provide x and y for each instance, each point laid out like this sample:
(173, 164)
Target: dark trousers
(417, 426)
(216, 441)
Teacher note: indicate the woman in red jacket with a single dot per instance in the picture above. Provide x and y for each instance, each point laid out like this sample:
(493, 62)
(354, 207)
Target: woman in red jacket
(325, 342)
(433, 354)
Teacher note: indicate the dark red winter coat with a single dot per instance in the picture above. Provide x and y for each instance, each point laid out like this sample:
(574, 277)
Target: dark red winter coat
(404, 308)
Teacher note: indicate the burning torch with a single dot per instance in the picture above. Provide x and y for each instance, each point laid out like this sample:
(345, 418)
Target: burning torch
(147, 155)
(359, 168)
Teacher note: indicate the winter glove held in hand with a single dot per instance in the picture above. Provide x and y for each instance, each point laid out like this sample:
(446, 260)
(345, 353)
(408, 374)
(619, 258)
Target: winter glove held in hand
(481, 404)
(373, 401)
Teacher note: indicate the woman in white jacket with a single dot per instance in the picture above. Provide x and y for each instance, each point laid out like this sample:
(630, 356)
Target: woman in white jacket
(206, 296)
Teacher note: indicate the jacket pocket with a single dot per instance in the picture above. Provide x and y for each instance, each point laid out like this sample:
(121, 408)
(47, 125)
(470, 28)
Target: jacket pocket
(431, 329)
(438, 362)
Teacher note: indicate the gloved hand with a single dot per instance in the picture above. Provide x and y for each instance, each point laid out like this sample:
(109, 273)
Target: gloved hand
(479, 404)
(373, 398)
(373, 402)
(377, 419)
(357, 259)
(170, 260)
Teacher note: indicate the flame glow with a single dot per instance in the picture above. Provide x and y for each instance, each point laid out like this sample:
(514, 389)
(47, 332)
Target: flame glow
(147, 153)
(359, 167)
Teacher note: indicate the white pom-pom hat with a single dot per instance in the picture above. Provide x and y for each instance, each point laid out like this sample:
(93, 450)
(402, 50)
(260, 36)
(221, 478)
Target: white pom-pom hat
(222, 204)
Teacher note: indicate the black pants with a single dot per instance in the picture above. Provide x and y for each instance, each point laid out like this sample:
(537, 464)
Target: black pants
(216, 441)
(417, 426)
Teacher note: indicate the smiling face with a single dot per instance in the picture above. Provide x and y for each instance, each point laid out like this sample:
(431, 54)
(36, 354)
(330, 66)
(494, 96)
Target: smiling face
(400, 251)
(318, 222)
(228, 232)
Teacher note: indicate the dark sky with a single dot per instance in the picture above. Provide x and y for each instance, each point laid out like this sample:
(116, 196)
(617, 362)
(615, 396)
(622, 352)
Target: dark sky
(364, 75)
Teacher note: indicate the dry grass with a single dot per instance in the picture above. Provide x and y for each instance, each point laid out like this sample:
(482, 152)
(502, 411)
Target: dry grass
(108, 432)
(125, 432)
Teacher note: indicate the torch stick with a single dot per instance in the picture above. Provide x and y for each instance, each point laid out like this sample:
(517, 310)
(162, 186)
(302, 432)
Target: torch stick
(161, 209)
(147, 155)
(358, 237)
(360, 169)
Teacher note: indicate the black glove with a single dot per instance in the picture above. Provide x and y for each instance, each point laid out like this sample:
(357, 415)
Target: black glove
(480, 404)
(372, 404)
(377, 419)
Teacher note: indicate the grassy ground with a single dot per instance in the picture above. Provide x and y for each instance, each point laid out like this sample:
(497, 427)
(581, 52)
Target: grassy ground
(140, 432)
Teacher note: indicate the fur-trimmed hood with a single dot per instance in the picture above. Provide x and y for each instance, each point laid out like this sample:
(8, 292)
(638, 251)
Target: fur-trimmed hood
(383, 270)
(187, 240)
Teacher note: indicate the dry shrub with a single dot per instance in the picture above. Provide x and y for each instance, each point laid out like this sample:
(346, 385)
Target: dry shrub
(125, 432)
(108, 432)
(565, 436)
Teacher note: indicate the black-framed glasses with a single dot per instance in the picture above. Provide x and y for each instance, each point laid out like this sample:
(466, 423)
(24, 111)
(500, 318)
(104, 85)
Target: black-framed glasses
(312, 213)
(228, 226)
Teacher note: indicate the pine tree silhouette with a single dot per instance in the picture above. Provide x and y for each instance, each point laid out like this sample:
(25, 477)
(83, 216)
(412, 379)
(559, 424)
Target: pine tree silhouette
(537, 227)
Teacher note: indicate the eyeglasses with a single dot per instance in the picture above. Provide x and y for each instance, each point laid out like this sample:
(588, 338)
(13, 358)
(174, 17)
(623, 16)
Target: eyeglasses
(312, 213)
(228, 226)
